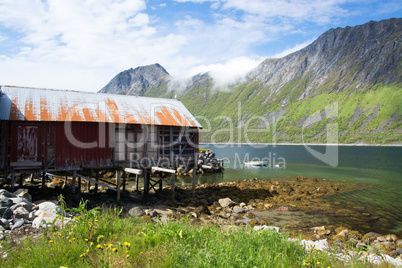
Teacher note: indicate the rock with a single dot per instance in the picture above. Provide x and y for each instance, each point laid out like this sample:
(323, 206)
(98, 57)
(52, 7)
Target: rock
(361, 245)
(151, 213)
(343, 233)
(226, 202)
(238, 210)
(40, 222)
(25, 205)
(316, 229)
(391, 238)
(5, 223)
(265, 227)
(44, 213)
(5, 193)
(18, 223)
(21, 213)
(398, 251)
(6, 202)
(23, 193)
(372, 250)
(48, 206)
(136, 212)
(17, 200)
(242, 204)
(381, 239)
(8, 214)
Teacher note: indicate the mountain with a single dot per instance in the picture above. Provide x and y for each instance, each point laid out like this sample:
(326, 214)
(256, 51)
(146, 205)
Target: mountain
(137, 81)
(348, 82)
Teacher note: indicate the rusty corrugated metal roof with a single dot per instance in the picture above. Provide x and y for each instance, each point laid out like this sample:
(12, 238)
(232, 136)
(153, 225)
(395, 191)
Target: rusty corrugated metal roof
(33, 104)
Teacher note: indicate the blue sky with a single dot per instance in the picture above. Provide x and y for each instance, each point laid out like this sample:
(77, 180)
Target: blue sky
(83, 44)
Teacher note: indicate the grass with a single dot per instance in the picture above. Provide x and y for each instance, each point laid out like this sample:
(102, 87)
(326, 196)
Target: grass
(103, 238)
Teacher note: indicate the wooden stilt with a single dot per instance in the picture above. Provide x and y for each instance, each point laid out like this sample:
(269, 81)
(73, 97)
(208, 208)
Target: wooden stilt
(97, 179)
(124, 181)
(146, 182)
(73, 181)
(89, 183)
(194, 171)
(136, 181)
(118, 177)
(43, 180)
(21, 180)
(173, 186)
(79, 184)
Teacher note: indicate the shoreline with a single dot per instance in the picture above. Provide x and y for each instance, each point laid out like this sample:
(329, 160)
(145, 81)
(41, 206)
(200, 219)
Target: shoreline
(304, 144)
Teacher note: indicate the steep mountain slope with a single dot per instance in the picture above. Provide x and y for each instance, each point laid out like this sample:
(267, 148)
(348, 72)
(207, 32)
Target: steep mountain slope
(137, 81)
(344, 87)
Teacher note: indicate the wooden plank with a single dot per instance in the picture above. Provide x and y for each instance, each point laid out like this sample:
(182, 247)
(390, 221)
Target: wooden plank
(97, 182)
(206, 167)
(133, 171)
(172, 171)
(25, 164)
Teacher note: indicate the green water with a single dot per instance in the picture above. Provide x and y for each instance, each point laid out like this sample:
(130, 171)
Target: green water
(381, 166)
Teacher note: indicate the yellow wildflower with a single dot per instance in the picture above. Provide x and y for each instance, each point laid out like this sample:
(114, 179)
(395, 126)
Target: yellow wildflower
(318, 262)
(50, 241)
(99, 247)
(86, 239)
(114, 250)
(127, 244)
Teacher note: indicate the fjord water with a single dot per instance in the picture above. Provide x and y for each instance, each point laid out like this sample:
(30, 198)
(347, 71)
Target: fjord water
(380, 166)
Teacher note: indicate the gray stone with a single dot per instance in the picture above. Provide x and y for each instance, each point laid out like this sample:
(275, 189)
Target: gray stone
(372, 250)
(238, 210)
(226, 202)
(5, 223)
(8, 214)
(136, 212)
(31, 215)
(17, 200)
(398, 251)
(6, 202)
(21, 213)
(48, 206)
(39, 222)
(25, 205)
(18, 224)
(5, 193)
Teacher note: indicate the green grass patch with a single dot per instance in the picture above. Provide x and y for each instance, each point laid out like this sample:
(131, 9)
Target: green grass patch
(104, 238)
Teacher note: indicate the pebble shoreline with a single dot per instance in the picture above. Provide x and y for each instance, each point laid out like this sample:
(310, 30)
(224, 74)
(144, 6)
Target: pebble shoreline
(235, 203)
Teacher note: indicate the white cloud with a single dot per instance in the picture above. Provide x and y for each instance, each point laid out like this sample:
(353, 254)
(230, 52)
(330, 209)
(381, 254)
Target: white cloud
(82, 44)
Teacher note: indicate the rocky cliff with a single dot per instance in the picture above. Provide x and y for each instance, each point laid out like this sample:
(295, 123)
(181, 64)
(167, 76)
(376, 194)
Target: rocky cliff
(350, 77)
(137, 81)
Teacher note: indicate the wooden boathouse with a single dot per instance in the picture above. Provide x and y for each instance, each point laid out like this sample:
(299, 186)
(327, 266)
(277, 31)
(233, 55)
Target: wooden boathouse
(71, 133)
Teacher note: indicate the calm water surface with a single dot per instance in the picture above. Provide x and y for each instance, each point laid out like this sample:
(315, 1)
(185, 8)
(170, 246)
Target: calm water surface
(381, 166)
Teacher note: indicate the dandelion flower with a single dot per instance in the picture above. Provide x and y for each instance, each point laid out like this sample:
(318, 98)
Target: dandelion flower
(318, 262)
(50, 241)
(86, 239)
(114, 250)
(127, 244)
(317, 249)
(99, 247)
(141, 253)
